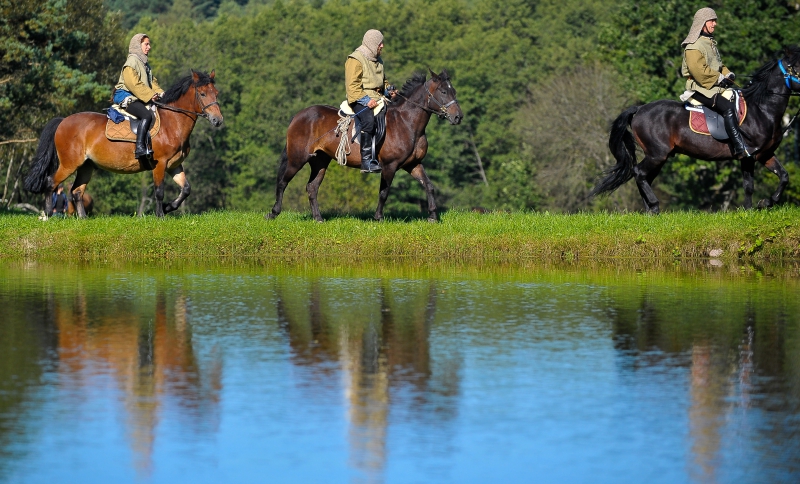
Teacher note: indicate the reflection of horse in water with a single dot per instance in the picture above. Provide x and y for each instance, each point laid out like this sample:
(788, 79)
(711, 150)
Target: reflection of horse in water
(150, 356)
(78, 143)
(381, 347)
(311, 138)
(661, 129)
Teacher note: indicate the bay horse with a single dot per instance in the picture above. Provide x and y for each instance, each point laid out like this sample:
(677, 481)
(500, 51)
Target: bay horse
(78, 143)
(311, 139)
(661, 129)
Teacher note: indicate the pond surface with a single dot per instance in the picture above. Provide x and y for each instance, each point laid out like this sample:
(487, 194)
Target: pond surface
(389, 373)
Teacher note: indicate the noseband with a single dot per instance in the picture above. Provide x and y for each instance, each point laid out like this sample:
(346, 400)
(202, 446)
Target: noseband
(202, 112)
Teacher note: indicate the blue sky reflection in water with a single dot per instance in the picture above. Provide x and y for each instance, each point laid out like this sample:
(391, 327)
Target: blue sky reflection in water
(352, 374)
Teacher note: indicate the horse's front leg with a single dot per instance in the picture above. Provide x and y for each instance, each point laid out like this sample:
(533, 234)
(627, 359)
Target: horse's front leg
(179, 176)
(387, 175)
(775, 166)
(158, 182)
(748, 168)
(418, 172)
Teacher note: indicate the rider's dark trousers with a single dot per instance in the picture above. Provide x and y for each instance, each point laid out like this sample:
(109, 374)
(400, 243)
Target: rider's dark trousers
(716, 103)
(365, 117)
(138, 109)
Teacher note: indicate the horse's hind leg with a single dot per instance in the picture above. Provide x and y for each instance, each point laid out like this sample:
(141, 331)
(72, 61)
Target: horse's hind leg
(79, 186)
(287, 169)
(61, 174)
(418, 172)
(775, 166)
(179, 176)
(319, 165)
(644, 173)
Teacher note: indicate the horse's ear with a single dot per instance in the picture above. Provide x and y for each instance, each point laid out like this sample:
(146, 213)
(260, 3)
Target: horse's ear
(433, 74)
(195, 76)
(212, 74)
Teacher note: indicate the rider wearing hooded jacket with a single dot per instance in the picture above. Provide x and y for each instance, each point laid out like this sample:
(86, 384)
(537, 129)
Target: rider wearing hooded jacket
(136, 87)
(707, 78)
(366, 83)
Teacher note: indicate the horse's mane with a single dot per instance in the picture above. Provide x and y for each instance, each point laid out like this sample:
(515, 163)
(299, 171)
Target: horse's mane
(417, 79)
(182, 85)
(756, 90)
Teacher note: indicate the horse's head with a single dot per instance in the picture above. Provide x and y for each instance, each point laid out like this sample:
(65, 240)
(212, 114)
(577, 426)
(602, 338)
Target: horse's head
(788, 66)
(442, 94)
(206, 97)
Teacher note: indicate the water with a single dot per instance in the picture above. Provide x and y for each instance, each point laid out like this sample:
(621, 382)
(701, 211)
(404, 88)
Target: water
(394, 373)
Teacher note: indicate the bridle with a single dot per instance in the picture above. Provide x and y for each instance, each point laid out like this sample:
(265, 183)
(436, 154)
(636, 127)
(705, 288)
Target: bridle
(789, 75)
(441, 113)
(202, 112)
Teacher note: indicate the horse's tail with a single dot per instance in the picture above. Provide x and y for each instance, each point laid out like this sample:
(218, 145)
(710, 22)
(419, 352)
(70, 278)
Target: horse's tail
(45, 163)
(283, 163)
(623, 147)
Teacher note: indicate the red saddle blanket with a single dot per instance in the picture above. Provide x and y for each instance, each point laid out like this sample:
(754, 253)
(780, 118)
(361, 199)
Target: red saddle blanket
(697, 121)
(122, 131)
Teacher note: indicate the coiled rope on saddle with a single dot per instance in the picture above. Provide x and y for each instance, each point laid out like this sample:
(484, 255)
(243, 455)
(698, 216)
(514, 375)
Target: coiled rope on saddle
(344, 140)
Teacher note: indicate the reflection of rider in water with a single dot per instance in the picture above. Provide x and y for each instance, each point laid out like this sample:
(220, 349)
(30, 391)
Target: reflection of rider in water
(707, 79)
(365, 83)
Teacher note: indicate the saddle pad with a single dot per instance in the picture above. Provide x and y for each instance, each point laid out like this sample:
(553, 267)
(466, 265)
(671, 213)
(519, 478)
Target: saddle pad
(697, 120)
(122, 131)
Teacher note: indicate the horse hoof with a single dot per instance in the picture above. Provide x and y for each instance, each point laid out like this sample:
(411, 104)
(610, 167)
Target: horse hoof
(762, 204)
(270, 216)
(433, 220)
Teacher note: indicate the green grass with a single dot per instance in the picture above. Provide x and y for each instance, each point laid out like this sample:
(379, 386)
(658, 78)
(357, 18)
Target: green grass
(460, 236)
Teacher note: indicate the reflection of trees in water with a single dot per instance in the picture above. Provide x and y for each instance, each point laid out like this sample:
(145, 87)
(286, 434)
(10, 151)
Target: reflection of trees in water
(379, 343)
(732, 351)
(27, 345)
(148, 351)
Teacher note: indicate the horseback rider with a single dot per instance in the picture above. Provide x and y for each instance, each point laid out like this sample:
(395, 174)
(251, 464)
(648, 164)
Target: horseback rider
(136, 87)
(365, 84)
(707, 79)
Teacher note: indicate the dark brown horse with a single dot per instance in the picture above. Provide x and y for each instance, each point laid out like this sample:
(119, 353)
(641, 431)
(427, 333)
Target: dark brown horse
(78, 143)
(311, 139)
(661, 129)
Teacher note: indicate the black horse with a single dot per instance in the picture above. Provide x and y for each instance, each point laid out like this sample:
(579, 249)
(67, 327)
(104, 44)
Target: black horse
(311, 139)
(661, 129)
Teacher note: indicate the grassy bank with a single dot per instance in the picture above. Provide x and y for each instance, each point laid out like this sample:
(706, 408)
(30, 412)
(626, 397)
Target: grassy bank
(756, 235)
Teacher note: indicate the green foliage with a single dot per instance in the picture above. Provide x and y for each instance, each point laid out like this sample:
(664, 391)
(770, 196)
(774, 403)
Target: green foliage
(55, 59)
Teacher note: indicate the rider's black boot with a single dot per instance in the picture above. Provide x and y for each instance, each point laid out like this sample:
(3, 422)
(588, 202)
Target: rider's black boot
(368, 162)
(732, 128)
(143, 149)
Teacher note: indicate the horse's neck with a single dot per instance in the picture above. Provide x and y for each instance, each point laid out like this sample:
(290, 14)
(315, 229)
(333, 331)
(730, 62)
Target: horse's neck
(413, 109)
(774, 105)
(180, 124)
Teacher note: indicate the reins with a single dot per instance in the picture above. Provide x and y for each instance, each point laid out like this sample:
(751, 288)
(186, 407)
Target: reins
(202, 113)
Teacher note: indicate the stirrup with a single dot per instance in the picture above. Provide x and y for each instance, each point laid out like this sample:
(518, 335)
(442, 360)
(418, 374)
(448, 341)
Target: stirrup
(372, 167)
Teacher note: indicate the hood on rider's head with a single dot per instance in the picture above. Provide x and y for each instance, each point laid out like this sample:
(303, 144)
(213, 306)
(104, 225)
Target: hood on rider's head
(369, 45)
(135, 47)
(700, 18)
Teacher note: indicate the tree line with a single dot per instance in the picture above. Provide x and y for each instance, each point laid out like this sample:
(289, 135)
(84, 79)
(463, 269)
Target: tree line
(538, 80)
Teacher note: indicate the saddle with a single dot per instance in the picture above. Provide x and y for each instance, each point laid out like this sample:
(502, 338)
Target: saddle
(707, 122)
(347, 127)
(127, 131)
